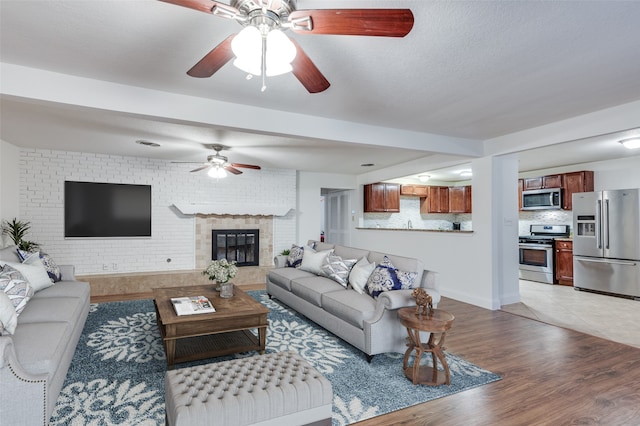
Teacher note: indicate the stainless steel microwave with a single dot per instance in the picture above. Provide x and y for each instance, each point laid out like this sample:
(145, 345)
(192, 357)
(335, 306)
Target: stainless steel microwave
(542, 199)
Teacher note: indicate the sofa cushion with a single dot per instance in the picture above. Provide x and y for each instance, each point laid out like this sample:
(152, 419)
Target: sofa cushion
(282, 276)
(320, 245)
(360, 274)
(40, 346)
(350, 252)
(337, 268)
(312, 288)
(312, 260)
(349, 306)
(51, 309)
(9, 254)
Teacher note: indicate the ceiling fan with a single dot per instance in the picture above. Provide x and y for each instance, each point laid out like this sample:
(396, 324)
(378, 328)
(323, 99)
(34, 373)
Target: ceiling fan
(270, 16)
(217, 164)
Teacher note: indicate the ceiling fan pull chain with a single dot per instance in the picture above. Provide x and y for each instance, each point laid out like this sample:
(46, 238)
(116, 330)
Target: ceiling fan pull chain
(264, 63)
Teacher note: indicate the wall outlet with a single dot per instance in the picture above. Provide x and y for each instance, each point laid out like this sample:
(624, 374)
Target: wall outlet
(114, 266)
(105, 267)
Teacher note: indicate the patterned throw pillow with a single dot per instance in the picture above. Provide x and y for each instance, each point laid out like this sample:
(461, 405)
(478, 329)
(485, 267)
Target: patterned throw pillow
(338, 268)
(51, 267)
(294, 260)
(387, 278)
(13, 284)
(8, 315)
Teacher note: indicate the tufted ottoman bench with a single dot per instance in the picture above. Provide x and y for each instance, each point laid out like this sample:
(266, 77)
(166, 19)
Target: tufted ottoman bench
(274, 389)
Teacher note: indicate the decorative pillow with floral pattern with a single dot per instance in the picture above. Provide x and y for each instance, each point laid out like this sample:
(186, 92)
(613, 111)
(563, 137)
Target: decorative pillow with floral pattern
(294, 260)
(51, 267)
(387, 278)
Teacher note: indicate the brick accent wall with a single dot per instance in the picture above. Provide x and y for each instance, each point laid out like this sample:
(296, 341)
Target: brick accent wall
(174, 241)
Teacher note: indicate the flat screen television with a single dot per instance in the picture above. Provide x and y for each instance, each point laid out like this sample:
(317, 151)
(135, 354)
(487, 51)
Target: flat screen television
(106, 210)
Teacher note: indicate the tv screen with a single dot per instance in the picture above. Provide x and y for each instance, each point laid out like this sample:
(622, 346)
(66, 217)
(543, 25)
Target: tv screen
(106, 210)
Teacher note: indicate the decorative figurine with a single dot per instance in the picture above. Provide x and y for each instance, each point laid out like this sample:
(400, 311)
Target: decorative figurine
(424, 303)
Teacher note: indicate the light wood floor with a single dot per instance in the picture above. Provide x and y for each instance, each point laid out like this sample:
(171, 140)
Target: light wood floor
(550, 375)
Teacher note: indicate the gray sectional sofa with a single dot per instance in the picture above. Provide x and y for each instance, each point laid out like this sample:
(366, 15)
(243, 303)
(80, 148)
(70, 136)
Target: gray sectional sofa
(370, 324)
(34, 360)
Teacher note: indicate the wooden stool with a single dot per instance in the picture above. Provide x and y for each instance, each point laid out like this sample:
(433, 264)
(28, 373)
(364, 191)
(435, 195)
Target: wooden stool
(436, 322)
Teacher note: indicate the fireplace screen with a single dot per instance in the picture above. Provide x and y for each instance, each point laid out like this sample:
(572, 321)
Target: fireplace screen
(241, 245)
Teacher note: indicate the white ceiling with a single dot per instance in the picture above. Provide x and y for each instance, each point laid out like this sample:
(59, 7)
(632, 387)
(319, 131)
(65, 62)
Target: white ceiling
(468, 69)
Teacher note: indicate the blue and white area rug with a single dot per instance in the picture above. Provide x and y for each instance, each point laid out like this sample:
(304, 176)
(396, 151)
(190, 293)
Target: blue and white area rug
(117, 373)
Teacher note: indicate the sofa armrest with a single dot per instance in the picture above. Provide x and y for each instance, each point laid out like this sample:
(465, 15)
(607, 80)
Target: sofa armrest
(430, 281)
(397, 299)
(280, 261)
(68, 272)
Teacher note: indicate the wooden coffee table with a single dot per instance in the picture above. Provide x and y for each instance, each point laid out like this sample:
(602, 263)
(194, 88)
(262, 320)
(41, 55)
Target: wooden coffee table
(201, 336)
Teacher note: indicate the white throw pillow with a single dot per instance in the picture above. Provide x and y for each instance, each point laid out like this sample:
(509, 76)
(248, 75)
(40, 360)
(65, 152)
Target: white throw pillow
(34, 272)
(8, 315)
(312, 260)
(360, 274)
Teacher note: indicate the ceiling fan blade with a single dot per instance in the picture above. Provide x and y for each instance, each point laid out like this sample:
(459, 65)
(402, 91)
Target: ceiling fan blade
(214, 60)
(230, 169)
(206, 166)
(200, 5)
(246, 166)
(307, 72)
(366, 22)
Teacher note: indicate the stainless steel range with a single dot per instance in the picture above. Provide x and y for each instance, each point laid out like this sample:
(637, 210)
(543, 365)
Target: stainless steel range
(536, 252)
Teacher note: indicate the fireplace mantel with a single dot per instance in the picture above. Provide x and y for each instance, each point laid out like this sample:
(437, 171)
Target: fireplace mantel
(233, 209)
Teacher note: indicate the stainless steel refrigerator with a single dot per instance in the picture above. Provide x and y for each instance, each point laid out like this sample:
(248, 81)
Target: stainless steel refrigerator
(606, 241)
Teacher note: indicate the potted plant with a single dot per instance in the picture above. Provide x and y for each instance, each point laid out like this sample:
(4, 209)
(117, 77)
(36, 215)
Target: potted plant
(17, 230)
(221, 271)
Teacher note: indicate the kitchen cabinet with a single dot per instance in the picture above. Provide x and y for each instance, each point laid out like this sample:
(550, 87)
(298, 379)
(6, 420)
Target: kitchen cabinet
(542, 182)
(520, 188)
(575, 182)
(382, 198)
(417, 190)
(460, 199)
(564, 262)
(437, 200)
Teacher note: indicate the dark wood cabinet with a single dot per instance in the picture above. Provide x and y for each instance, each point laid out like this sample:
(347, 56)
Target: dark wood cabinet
(575, 182)
(460, 199)
(564, 262)
(417, 190)
(520, 188)
(542, 182)
(382, 198)
(437, 201)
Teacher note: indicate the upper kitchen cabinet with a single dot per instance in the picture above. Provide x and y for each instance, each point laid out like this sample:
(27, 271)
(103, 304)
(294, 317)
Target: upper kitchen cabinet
(417, 190)
(575, 182)
(520, 188)
(437, 200)
(382, 198)
(460, 199)
(542, 182)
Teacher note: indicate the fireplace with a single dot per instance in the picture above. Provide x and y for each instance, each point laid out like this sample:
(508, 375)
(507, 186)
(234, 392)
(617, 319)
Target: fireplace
(240, 245)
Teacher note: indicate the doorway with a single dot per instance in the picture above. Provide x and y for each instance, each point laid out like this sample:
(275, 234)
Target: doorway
(337, 208)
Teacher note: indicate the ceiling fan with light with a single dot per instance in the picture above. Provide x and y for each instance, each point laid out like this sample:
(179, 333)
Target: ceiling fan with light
(262, 49)
(218, 165)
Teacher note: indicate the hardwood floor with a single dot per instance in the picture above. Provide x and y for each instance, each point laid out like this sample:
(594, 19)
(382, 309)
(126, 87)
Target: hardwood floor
(550, 375)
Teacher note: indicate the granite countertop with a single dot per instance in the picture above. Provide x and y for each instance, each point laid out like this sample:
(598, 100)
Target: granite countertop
(564, 239)
(418, 230)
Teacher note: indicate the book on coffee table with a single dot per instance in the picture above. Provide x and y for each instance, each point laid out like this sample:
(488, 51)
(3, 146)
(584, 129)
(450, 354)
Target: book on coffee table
(192, 305)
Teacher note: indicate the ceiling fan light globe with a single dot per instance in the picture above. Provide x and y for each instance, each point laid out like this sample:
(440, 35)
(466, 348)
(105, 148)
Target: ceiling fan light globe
(248, 66)
(248, 43)
(217, 173)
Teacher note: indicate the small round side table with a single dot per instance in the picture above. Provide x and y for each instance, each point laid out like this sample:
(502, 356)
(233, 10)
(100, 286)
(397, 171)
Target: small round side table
(437, 322)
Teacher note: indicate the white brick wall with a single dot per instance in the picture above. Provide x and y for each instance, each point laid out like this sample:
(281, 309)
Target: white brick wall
(42, 176)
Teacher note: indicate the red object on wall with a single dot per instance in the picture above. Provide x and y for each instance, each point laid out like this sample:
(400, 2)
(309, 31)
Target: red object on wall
(322, 237)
